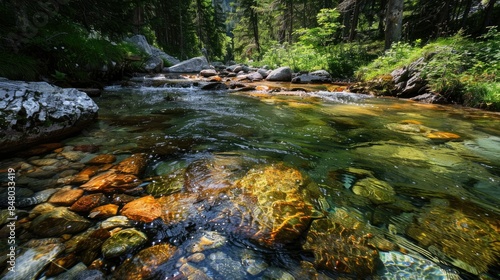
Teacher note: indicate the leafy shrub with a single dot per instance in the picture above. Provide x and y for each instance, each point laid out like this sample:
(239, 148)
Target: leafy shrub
(18, 66)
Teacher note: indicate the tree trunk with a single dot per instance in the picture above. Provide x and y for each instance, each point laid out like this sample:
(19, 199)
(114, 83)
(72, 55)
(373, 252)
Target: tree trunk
(393, 22)
(488, 11)
(354, 20)
(465, 15)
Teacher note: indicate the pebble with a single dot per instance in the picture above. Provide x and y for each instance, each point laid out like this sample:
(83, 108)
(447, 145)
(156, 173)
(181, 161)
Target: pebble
(66, 196)
(104, 211)
(37, 198)
(57, 222)
(89, 202)
(32, 261)
(123, 242)
(144, 209)
(114, 222)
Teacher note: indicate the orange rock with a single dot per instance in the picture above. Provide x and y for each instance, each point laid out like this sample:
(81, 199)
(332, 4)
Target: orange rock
(411, 122)
(215, 79)
(144, 209)
(85, 175)
(102, 159)
(66, 197)
(111, 179)
(134, 164)
(104, 211)
(442, 135)
(88, 202)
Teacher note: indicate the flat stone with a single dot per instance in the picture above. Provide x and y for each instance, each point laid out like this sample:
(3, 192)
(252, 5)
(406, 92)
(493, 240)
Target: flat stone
(102, 159)
(34, 259)
(145, 263)
(104, 211)
(58, 222)
(111, 180)
(89, 202)
(443, 135)
(377, 191)
(134, 164)
(66, 197)
(144, 209)
(122, 242)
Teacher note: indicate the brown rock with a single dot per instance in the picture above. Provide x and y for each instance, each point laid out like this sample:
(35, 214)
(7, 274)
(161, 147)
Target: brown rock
(58, 222)
(104, 211)
(66, 196)
(145, 263)
(86, 148)
(60, 265)
(41, 149)
(111, 180)
(85, 175)
(122, 199)
(177, 207)
(144, 209)
(442, 135)
(102, 159)
(134, 164)
(88, 202)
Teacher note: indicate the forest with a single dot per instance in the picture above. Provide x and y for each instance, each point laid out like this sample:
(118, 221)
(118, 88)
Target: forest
(69, 41)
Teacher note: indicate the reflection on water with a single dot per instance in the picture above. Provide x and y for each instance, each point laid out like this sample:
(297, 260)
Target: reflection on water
(388, 188)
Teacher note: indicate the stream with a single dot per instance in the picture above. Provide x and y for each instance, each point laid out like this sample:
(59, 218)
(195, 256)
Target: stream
(367, 187)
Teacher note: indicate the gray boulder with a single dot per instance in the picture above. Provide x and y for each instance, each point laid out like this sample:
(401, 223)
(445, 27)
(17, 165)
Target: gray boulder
(192, 65)
(156, 56)
(35, 112)
(320, 76)
(282, 74)
(141, 43)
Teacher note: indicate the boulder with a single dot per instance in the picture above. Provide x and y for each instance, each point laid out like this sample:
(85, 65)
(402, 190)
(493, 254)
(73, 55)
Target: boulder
(192, 65)
(35, 112)
(320, 76)
(282, 74)
(141, 43)
(154, 64)
(156, 56)
(208, 73)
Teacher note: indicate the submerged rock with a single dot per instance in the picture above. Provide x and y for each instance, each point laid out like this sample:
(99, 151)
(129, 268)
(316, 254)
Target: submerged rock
(227, 267)
(339, 244)
(37, 254)
(134, 164)
(166, 184)
(88, 202)
(144, 209)
(377, 191)
(122, 242)
(66, 196)
(111, 180)
(400, 266)
(275, 206)
(58, 222)
(145, 263)
(480, 249)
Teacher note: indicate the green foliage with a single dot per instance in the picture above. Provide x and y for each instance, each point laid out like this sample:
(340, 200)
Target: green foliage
(461, 69)
(18, 66)
(323, 34)
(399, 55)
(67, 48)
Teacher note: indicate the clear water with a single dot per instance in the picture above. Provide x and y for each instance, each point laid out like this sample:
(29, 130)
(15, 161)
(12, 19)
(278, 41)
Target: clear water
(326, 136)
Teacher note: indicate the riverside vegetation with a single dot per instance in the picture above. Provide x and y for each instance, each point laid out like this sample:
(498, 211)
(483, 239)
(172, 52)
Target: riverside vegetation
(81, 44)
